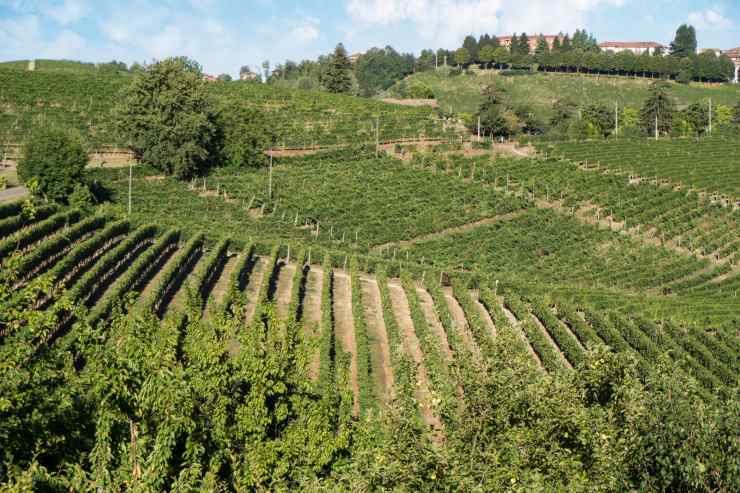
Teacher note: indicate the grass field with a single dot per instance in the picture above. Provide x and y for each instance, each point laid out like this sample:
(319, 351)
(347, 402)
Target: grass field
(463, 93)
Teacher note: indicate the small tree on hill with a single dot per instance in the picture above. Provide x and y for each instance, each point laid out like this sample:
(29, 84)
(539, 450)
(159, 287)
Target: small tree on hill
(462, 57)
(244, 135)
(224, 78)
(336, 77)
(658, 105)
(55, 161)
(167, 118)
(542, 46)
(684, 44)
(697, 116)
(487, 55)
(600, 118)
(736, 114)
(470, 44)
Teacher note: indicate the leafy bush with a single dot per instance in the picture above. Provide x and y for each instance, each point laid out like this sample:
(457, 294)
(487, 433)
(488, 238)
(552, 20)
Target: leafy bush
(167, 118)
(244, 135)
(55, 160)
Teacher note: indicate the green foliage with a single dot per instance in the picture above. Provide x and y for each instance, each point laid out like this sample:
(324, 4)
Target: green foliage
(336, 76)
(378, 69)
(684, 44)
(600, 117)
(167, 120)
(55, 160)
(82, 198)
(245, 135)
(462, 57)
(736, 114)
(658, 106)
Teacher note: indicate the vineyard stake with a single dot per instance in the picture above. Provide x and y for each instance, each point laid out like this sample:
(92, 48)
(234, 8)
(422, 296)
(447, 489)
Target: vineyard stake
(130, 184)
(269, 190)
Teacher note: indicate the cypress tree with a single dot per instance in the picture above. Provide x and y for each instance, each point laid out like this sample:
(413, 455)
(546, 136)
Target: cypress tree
(337, 78)
(684, 44)
(660, 104)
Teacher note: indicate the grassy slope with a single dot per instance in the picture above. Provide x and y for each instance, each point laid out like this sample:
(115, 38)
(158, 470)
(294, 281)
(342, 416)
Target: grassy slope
(462, 93)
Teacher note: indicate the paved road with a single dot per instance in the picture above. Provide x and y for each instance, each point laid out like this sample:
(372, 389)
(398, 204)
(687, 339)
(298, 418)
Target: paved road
(13, 193)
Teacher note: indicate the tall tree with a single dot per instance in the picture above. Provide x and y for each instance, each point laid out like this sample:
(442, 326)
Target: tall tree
(336, 77)
(524, 44)
(471, 45)
(557, 46)
(56, 160)
(487, 55)
(566, 45)
(166, 117)
(542, 46)
(378, 69)
(697, 116)
(684, 44)
(658, 105)
(462, 57)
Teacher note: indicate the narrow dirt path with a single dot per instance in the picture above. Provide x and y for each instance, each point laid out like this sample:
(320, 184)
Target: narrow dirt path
(253, 288)
(483, 313)
(378, 338)
(518, 329)
(154, 281)
(284, 290)
(427, 306)
(402, 313)
(345, 329)
(222, 285)
(312, 315)
(554, 344)
(458, 317)
(452, 231)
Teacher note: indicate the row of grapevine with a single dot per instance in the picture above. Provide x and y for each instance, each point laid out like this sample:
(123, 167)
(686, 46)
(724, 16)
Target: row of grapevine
(48, 251)
(238, 281)
(490, 301)
(477, 326)
(298, 288)
(365, 370)
(140, 271)
(90, 284)
(173, 276)
(13, 223)
(568, 344)
(25, 238)
(327, 338)
(205, 276)
(549, 356)
(433, 359)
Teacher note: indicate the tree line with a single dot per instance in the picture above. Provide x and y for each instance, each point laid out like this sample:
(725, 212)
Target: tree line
(498, 116)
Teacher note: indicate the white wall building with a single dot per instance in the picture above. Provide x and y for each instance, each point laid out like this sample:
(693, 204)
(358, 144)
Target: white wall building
(636, 47)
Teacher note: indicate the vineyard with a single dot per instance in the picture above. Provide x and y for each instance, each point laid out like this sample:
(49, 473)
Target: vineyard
(708, 165)
(83, 101)
(382, 308)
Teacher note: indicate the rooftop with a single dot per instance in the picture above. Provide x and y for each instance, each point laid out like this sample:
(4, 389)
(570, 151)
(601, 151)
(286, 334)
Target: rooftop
(630, 44)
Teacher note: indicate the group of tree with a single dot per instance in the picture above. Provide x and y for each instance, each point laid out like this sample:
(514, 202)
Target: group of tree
(659, 116)
(168, 119)
(497, 116)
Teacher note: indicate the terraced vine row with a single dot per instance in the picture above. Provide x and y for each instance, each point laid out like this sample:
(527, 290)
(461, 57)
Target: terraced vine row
(427, 326)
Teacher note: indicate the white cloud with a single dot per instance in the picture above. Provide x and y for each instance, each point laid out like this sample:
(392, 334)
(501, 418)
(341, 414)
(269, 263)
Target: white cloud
(306, 32)
(67, 44)
(447, 21)
(67, 12)
(710, 20)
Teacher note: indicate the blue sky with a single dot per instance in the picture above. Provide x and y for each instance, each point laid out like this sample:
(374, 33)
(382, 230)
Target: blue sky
(223, 35)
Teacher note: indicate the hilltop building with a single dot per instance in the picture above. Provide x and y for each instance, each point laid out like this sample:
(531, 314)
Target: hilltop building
(354, 57)
(734, 55)
(636, 47)
(533, 40)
